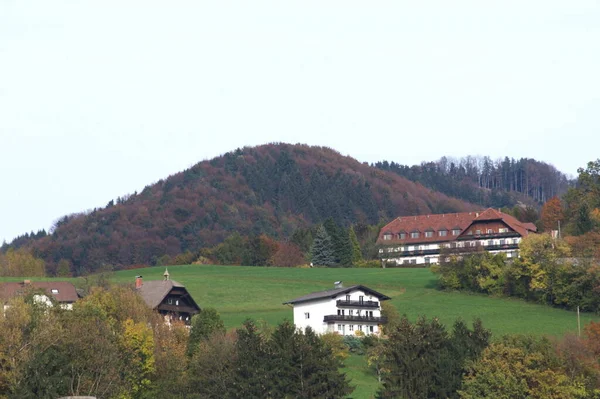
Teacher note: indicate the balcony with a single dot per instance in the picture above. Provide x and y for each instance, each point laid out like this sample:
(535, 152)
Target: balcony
(357, 304)
(363, 319)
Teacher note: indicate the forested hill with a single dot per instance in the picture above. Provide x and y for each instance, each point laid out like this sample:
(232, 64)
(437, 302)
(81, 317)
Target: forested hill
(271, 189)
(479, 180)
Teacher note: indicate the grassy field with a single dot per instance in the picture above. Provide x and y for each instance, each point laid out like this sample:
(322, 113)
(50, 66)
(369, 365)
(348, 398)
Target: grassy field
(258, 292)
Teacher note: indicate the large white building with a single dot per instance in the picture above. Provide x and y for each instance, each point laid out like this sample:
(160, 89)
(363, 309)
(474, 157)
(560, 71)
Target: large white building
(414, 240)
(345, 310)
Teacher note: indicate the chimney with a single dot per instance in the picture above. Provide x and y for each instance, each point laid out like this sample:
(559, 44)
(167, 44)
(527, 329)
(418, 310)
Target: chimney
(338, 284)
(138, 282)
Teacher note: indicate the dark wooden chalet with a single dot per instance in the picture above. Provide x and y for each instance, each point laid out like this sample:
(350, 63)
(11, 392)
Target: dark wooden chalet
(168, 297)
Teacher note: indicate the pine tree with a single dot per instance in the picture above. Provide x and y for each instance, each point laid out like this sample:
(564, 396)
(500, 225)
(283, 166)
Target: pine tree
(356, 252)
(322, 250)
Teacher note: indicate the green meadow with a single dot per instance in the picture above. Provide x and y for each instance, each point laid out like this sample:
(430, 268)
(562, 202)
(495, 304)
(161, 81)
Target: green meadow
(240, 292)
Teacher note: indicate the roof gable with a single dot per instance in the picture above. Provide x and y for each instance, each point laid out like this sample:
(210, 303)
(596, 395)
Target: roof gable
(335, 292)
(154, 292)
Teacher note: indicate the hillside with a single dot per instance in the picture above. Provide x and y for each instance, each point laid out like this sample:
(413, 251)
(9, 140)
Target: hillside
(271, 189)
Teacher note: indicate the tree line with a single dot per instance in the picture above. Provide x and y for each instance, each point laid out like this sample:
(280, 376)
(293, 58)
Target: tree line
(481, 180)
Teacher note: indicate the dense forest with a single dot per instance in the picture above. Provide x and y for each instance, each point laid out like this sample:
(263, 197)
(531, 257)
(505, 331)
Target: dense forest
(480, 180)
(271, 190)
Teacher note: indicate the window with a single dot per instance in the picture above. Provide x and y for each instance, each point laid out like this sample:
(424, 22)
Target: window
(502, 242)
(478, 232)
(455, 232)
(405, 262)
(370, 328)
(427, 261)
(351, 327)
(402, 236)
(347, 297)
(54, 291)
(503, 230)
(387, 236)
(340, 327)
(443, 233)
(429, 234)
(413, 261)
(170, 301)
(414, 234)
(307, 315)
(490, 231)
(360, 299)
(177, 303)
(351, 312)
(360, 327)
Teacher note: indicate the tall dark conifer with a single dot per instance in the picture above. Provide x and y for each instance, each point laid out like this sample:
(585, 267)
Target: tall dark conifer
(322, 252)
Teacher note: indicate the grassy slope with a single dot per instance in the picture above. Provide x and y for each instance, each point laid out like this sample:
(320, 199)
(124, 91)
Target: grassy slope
(258, 292)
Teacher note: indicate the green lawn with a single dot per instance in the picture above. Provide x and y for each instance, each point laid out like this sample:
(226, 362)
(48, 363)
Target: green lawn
(258, 292)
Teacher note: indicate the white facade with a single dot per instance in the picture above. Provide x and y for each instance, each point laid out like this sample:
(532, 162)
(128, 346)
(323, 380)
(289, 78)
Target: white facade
(347, 313)
(413, 254)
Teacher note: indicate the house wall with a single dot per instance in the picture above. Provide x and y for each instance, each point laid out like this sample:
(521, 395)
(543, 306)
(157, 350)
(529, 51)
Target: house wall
(389, 253)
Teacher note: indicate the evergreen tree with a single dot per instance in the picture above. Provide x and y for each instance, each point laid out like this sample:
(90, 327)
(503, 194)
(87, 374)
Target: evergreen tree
(322, 253)
(342, 247)
(253, 376)
(204, 324)
(356, 252)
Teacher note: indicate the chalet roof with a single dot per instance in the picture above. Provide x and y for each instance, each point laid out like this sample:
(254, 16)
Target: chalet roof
(65, 291)
(491, 214)
(335, 292)
(153, 292)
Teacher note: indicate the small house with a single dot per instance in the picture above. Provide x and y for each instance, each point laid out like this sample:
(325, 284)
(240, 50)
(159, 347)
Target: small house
(350, 310)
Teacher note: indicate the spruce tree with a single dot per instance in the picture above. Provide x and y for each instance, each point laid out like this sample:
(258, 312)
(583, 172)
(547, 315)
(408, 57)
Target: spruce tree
(322, 253)
(356, 252)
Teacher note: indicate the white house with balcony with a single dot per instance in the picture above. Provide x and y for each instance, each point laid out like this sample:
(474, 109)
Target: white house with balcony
(345, 310)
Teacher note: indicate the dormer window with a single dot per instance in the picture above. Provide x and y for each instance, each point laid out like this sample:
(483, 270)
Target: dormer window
(477, 232)
(443, 233)
(402, 236)
(429, 234)
(387, 236)
(54, 291)
(414, 234)
(455, 232)
(490, 231)
(503, 230)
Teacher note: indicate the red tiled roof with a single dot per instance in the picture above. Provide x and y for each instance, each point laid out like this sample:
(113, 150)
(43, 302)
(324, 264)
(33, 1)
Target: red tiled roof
(422, 223)
(66, 290)
(447, 221)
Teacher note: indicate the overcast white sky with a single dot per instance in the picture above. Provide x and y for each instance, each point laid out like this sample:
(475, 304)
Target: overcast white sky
(100, 98)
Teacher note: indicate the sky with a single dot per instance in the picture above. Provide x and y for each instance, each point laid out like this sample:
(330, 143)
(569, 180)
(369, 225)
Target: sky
(101, 98)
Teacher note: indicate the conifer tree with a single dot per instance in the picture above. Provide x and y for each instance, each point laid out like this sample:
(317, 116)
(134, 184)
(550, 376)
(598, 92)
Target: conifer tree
(356, 252)
(322, 253)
